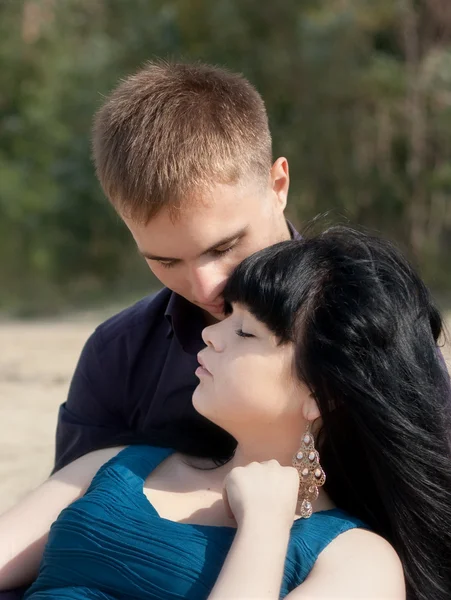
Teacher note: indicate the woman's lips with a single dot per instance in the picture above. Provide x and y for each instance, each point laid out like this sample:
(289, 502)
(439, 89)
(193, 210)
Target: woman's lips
(201, 372)
(202, 369)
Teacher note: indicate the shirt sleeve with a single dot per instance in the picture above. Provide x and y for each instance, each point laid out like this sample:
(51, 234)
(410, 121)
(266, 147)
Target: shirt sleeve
(16, 594)
(90, 418)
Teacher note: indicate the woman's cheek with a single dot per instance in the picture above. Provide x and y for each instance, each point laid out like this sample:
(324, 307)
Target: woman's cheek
(245, 388)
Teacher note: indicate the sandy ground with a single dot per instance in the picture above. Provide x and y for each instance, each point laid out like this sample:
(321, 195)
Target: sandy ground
(37, 360)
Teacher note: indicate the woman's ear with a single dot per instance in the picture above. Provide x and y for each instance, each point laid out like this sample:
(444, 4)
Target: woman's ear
(310, 410)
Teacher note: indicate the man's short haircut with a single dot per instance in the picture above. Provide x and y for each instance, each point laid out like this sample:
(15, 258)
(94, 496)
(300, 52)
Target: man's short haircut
(174, 130)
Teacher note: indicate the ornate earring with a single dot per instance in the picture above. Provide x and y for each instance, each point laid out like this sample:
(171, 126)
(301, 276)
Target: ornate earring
(311, 474)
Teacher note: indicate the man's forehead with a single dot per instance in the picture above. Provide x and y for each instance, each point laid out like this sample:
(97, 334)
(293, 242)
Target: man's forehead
(227, 215)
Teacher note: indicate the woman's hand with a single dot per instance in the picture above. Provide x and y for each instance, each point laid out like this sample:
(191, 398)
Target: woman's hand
(262, 498)
(262, 493)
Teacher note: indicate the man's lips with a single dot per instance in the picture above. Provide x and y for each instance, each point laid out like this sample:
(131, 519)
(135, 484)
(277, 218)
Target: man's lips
(216, 308)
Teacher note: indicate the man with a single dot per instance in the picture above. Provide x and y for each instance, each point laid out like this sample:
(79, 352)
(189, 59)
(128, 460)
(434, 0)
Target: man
(183, 152)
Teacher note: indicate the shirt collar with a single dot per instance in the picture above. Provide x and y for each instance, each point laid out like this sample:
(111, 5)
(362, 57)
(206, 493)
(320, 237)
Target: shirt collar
(187, 320)
(295, 235)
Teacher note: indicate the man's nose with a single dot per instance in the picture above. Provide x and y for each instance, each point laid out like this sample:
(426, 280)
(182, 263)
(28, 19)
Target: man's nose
(206, 284)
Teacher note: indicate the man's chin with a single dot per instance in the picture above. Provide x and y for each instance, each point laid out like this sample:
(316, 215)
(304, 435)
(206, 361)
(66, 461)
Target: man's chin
(211, 319)
(215, 313)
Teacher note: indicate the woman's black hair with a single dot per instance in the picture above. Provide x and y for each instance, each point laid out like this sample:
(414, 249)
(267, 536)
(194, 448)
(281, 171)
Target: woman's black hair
(365, 331)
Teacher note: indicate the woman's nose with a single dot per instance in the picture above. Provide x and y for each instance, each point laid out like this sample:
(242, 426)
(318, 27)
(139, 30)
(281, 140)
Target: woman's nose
(212, 337)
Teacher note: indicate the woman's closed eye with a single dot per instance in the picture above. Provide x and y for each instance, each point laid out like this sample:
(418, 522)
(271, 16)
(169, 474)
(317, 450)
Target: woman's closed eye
(243, 334)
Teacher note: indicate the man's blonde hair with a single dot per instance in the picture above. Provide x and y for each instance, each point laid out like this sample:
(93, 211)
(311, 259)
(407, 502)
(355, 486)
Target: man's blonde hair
(175, 129)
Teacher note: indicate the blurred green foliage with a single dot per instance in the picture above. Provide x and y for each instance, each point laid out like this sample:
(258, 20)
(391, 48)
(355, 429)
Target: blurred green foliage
(359, 98)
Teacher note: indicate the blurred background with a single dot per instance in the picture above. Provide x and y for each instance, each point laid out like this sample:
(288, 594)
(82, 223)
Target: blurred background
(359, 98)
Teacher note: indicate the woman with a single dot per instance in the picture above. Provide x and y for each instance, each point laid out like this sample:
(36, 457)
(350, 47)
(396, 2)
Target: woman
(327, 373)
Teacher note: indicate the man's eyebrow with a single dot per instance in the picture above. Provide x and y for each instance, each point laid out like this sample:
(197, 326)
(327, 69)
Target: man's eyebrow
(154, 257)
(223, 242)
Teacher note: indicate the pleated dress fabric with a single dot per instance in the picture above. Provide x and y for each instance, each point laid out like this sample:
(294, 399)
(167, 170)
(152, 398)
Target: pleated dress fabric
(112, 544)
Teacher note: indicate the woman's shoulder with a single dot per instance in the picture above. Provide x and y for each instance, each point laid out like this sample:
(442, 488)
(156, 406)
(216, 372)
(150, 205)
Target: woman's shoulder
(364, 543)
(361, 563)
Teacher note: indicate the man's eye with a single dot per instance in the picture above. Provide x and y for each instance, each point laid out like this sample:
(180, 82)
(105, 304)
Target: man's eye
(166, 265)
(219, 252)
(243, 334)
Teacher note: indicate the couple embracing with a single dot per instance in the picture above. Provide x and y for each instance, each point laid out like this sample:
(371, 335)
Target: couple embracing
(275, 423)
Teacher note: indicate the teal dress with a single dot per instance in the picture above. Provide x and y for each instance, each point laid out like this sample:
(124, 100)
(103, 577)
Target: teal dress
(112, 544)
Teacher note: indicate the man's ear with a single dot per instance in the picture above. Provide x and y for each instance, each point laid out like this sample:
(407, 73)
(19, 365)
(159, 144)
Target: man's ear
(280, 181)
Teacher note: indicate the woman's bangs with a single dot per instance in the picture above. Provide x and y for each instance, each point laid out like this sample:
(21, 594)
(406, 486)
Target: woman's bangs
(262, 284)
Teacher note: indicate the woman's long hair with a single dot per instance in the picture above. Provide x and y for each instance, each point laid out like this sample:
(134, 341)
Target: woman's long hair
(365, 331)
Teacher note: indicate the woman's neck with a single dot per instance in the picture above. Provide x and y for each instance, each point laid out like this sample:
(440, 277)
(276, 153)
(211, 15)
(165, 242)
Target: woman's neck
(245, 455)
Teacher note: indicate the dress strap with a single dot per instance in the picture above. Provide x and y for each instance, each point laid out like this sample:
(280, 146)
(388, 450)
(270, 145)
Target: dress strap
(133, 462)
(141, 460)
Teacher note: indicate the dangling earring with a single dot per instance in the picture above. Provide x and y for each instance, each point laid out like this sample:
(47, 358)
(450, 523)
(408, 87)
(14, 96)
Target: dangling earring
(311, 474)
